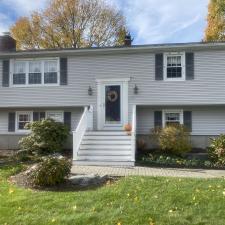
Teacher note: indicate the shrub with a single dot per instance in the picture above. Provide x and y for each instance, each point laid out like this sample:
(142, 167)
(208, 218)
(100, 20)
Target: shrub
(173, 139)
(47, 136)
(217, 150)
(50, 171)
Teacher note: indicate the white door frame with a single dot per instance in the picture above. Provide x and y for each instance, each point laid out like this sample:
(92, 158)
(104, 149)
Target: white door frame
(101, 83)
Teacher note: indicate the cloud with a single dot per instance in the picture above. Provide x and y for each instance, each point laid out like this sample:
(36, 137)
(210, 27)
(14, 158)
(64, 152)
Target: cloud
(11, 10)
(149, 21)
(24, 7)
(157, 21)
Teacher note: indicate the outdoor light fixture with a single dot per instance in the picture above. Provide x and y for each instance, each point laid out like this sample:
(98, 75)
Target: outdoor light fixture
(90, 91)
(135, 89)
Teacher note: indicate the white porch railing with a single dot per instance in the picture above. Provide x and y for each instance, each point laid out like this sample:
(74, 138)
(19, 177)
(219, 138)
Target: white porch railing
(133, 133)
(85, 123)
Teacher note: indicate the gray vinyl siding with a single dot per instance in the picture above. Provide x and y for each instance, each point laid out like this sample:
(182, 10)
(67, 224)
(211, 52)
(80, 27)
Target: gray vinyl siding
(75, 116)
(205, 120)
(207, 88)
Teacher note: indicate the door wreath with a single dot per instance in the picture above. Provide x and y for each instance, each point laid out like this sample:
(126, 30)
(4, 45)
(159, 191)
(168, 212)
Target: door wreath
(112, 96)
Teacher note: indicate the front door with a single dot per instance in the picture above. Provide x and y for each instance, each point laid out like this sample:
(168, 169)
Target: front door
(113, 105)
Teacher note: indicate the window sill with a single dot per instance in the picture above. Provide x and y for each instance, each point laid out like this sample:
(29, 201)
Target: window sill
(34, 85)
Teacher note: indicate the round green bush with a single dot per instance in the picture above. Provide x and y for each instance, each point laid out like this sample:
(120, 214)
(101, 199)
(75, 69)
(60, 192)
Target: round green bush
(50, 171)
(216, 150)
(47, 136)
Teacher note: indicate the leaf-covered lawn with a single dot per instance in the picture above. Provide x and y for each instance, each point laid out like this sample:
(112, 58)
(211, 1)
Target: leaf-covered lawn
(132, 200)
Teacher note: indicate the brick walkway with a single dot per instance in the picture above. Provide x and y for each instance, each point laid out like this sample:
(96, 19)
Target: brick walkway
(146, 171)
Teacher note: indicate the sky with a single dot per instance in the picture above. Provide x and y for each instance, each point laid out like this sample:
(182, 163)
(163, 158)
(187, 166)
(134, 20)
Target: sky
(149, 21)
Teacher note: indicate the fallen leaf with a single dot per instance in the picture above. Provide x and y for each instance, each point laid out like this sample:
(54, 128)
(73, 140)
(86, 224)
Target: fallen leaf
(11, 191)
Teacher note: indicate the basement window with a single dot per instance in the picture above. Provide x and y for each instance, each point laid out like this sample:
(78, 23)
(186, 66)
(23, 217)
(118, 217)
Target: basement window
(55, 115)
(22, 119)
(172, 117)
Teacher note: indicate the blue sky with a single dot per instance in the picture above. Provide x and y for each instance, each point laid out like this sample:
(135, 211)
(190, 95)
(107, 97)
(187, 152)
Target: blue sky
(149, 21)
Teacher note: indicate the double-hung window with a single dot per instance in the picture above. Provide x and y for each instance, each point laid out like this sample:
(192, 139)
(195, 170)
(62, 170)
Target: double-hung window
(34, 76)
(19, 73)
(35, 72)
(22, 119)
(172, 117)
(174, 67)
(50, 72)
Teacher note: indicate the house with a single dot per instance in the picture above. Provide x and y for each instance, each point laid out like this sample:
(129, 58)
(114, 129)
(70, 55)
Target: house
(96, 91)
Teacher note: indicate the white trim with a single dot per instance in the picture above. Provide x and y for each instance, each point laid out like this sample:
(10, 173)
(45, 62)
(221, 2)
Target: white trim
(113, 80)
(165, 55)
(101, 125)
(27, 60)
(16, 120)
(180, 111)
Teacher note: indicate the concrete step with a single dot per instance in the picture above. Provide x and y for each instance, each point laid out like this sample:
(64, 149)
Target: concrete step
(105, 158)
(104, 153)
(105, 142)
(105, 147)
(104, 163)
(90, 137)
(106, 133)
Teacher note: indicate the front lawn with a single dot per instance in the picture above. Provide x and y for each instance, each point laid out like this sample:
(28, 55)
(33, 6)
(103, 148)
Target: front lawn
(132, 200)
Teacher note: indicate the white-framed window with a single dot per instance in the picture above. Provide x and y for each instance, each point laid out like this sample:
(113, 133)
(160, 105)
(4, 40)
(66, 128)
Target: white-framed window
(172, 117)
(34, 76)
(34, 72)
(55, 115)
(19, 73)
(174, 66)
(22, 118)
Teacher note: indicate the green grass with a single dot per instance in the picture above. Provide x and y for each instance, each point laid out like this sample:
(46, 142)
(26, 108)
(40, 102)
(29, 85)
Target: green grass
(130, 201)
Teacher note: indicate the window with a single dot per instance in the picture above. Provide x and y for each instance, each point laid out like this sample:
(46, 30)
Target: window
(35, 72)
(19, 74)
(57, 116)
(50, 72)
(22, 119)
(174, 66)
(172, 117)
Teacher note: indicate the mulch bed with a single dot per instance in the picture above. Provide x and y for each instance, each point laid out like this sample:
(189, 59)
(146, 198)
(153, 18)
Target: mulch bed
(22, 180)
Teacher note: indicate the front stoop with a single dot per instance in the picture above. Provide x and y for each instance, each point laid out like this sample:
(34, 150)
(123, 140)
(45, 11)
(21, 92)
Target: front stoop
(106, 148)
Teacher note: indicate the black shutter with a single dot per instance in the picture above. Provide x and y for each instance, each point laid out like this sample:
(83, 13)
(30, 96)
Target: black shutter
(11, 121)
(188, 120)
(159, 66)
(67, 119)
(158, 119)
(63, 71)
(36, 116)
(42, 115)
(5, 73)
(189, 58)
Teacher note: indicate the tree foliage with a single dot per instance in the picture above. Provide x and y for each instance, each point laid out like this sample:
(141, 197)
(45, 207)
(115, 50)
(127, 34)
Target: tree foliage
(71, 24)
(215, 30)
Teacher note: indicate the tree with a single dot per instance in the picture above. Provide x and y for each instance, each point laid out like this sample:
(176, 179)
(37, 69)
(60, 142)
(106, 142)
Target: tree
(215, 30)
(71, 23)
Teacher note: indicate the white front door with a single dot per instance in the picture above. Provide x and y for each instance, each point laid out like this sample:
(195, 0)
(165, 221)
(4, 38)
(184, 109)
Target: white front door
(112, 105)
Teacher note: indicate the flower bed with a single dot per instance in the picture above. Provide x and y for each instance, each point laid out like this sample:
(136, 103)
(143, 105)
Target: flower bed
(159, 160)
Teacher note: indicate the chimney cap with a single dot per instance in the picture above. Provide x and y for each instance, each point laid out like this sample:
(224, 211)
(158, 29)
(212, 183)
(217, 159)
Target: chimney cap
(128, 40)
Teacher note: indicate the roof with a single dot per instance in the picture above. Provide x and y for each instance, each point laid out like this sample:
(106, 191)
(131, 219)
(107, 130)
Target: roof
(118, 49)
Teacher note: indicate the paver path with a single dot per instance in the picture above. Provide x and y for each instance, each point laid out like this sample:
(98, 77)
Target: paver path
(147, 171)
